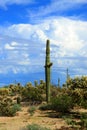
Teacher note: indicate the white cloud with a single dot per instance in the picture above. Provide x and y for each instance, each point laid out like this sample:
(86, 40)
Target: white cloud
(55, 7)
(24, 49)
(77, 1)
(4, 3)
(12, 58)
(10, 46)
(25, 31)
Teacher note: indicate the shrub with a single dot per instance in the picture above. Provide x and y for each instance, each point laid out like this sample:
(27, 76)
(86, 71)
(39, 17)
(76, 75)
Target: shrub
(81, 124)
(78, 89)
(36, 127)
(84, 104)
(45, 107)
(31, 94)
(62, 103)
(16, 107)
(4, 91)
(32, 110)
(7, 108)
(83, 121)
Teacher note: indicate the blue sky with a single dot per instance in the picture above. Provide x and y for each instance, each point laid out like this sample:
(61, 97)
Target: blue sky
(25, 25)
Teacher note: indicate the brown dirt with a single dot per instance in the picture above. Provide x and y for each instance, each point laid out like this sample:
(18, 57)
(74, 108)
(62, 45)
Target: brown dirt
(23, 118)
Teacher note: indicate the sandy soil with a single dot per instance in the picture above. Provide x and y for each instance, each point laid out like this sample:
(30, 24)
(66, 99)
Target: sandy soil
(23, 118)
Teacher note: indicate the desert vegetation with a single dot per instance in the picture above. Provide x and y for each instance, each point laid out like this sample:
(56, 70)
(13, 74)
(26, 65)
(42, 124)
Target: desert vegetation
(66, 102)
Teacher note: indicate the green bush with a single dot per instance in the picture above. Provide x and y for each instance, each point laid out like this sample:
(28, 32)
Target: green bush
(32, 110)
(84, 104)
(7, 108)
(83, 122)
(45, 107)
(78, 90)
(62, 103)
(36, 127)
(31, 94)
(16, 107)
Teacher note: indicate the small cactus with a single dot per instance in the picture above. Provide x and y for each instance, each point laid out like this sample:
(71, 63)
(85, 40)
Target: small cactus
(36, 83)
(18, 100)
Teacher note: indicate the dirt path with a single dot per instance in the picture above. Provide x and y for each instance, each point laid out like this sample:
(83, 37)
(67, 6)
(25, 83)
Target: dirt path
(22, 119)
(14, 123)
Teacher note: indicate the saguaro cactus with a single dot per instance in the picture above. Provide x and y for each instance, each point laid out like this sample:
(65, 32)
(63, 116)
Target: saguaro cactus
(67, 76)
(48, 65)
(67, 73)
(58, 82)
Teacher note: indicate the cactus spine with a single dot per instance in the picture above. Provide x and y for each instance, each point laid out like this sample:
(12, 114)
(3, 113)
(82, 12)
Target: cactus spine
(47, 71)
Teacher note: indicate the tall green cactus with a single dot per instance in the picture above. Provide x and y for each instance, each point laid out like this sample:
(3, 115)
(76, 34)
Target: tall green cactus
(58, 82)
(48, 65)
(67, 73)
(67, 76)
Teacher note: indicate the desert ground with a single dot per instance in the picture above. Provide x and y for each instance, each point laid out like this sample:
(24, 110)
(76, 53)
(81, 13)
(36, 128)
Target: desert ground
(23, 118)
(42, 118)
